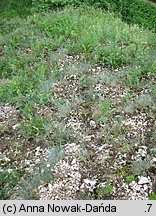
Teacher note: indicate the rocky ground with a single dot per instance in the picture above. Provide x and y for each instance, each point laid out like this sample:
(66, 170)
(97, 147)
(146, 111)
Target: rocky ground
(111, 150)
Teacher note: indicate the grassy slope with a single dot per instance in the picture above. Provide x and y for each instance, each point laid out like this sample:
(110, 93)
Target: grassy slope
(14, 8)
(33, 54)
(133, 12)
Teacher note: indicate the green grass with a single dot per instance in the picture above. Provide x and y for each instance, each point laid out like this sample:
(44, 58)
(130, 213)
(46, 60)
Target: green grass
(129, 179)
(100, 38)
(152, 196)
(133, 12)
(14, 8)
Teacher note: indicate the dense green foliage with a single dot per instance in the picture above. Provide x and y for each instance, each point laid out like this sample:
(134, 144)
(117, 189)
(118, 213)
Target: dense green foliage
(133, 12)
(138, 12)
(14, 8)
(8, 180)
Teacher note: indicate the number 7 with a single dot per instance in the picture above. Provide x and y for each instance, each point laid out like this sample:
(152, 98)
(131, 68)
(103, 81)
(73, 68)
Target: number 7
(150, 205)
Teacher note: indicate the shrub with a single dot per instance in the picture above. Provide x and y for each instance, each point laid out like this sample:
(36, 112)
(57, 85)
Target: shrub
(13, 8)
(133, 12)
(139, 12)
(133, 78)
(50, 4)
(149, 69)
(33, 127)
(111, 56)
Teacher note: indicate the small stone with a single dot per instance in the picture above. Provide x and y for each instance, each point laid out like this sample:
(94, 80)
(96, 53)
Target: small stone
(38, 148)
(27, 162)
(90, 184)
(132, 184)
(10, 170)
(143, 180)
(92, 123)
(15, 126)
(145, 187)
(137, 187)
(154, 160)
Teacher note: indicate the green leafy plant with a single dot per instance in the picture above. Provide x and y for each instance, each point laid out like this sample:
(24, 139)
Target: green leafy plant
(57, 134)
(2, 129)
(127, 95)
(50, 4)
(105, 107)
(130, 178)
(152, 196)
(14, 8)
(85, 82)
(143, 101)
(104, 192)
(108, 189)
(103, 111)
(133, 78)
(27, 188)
(149, 69)
(33, 127)
(126, 147)
(135, 11)
(111, 56)
(107, 78)
(8, 180)
(140, 167)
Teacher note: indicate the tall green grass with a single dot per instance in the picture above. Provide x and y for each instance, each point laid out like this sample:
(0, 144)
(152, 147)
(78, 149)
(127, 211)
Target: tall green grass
(133, 12)
(14, 8)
